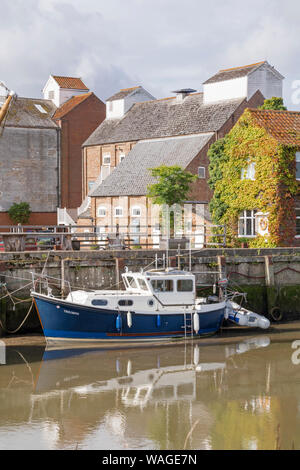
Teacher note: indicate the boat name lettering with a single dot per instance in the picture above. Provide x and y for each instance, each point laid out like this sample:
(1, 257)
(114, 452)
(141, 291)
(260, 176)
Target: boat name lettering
(72, 313)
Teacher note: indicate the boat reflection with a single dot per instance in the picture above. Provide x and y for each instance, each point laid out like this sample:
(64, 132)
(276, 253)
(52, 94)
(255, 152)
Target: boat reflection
(182, 396)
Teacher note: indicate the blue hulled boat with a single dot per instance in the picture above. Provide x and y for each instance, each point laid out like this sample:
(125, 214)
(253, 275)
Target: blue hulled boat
(155, 306)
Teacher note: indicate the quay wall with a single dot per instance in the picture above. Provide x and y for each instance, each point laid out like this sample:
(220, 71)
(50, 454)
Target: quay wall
(270, 277)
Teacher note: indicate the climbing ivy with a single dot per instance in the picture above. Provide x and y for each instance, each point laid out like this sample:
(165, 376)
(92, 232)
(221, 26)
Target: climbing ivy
(272, 191)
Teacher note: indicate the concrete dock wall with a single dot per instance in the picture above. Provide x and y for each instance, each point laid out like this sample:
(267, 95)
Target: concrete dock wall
(270, 277)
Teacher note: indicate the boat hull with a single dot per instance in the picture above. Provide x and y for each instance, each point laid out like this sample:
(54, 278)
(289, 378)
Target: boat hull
(66, 321)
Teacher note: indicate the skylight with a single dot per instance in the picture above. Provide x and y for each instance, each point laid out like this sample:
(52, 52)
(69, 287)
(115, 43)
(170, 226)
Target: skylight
(40, 108)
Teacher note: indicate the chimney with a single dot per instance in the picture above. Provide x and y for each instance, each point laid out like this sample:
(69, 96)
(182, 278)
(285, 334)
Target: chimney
(182, 94)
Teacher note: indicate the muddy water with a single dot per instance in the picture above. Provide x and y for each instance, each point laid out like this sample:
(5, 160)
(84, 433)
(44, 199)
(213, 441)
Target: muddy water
(220, 393)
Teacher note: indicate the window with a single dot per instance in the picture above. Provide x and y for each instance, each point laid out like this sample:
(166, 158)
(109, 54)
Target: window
(106, 159)
(297, 165)
(99, 302)
(297, 221)
(125, 302)
(91, 184)
(201, 172)
(185, 285)
(122, 156)
(51, 95)
(136, 211)
(142, 284)
(247, 224)
(101, 211)
(131, 282)
(249, 172)
(40, 108)
(165, 285)
(118, 211)
(110, 106)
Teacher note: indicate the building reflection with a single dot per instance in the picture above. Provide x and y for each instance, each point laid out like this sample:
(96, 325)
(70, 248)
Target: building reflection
(185, 396)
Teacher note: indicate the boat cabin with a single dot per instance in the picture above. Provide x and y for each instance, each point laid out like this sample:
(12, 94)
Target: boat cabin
(171, 287)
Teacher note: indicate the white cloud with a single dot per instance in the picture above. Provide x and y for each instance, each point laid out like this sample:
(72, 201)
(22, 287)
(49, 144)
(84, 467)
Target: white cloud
(160, 44)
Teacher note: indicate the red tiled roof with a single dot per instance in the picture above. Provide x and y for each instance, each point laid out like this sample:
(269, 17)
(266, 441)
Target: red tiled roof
(284, 126)
(70, 82)
(66, 107)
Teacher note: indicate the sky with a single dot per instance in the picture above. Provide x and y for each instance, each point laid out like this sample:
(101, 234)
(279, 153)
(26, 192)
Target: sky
(162, 45)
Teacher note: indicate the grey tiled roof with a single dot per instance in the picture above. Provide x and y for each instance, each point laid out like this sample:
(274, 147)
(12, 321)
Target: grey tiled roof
(237, 72)
(24, 113)
(132, 176)
(122, 93)
(164, 118)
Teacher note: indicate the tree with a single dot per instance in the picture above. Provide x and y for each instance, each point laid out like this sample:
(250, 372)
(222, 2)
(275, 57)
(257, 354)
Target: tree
(273, 103)
(173, 185)
(171, 189)
(19, 213)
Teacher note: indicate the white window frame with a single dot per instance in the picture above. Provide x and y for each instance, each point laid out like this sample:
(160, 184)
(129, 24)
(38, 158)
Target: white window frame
(136, 208)
(297, 158)
(105, 156)
(101, 208)
(297, 217)
(118, 208)
(51, 95)
(245, 218)
(248, 173)
(202, 168)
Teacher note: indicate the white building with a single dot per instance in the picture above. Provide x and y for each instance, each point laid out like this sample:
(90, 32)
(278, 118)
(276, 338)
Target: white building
(243, 82)
(61, 89)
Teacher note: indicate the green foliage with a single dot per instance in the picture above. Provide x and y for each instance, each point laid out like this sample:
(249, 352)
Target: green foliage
(19, 213)
(272, 191)
(273, 103)
(217, 158)
(173, 185)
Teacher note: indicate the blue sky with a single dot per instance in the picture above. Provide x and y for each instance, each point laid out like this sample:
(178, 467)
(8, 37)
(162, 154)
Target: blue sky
(162, 45)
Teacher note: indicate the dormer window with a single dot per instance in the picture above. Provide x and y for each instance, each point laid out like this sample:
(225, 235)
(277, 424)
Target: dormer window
(248, 173)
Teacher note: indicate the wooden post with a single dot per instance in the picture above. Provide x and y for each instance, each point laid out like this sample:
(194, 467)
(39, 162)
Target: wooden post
(269, 271)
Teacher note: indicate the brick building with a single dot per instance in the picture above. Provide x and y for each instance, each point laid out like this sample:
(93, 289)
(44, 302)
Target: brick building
(143, 133)
(40, 148)
(29, 158)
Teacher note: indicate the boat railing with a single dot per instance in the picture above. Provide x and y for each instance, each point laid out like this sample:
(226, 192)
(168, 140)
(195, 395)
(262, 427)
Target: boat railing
(50, 285)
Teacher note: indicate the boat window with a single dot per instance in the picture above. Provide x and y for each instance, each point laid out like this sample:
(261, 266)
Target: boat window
(162, 285)
(142, 284)
(131, 282)
(185, 285)
(125, 302)
(99, 302)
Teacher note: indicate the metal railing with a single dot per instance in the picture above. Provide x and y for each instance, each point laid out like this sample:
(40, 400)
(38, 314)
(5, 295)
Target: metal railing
(75, 237)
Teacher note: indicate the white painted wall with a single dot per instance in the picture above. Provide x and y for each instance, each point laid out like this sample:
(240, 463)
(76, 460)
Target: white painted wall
(266, 81)
(117, 110)
(226, 90)
(120, 107)
(61, 95)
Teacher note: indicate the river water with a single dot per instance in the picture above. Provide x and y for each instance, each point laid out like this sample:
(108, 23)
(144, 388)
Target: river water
(220, 393)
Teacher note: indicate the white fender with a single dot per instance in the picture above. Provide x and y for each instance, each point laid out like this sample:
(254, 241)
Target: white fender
(129, 319)
(196, 355)
(196, 322)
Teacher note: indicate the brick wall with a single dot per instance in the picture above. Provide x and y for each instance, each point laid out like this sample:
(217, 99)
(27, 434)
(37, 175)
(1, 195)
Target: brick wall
(77, 125)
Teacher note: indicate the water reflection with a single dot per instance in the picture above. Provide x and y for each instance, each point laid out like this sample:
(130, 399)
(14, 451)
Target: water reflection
(235, 396)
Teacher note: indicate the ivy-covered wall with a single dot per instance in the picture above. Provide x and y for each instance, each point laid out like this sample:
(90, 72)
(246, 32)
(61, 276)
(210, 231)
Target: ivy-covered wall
(272, 191)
